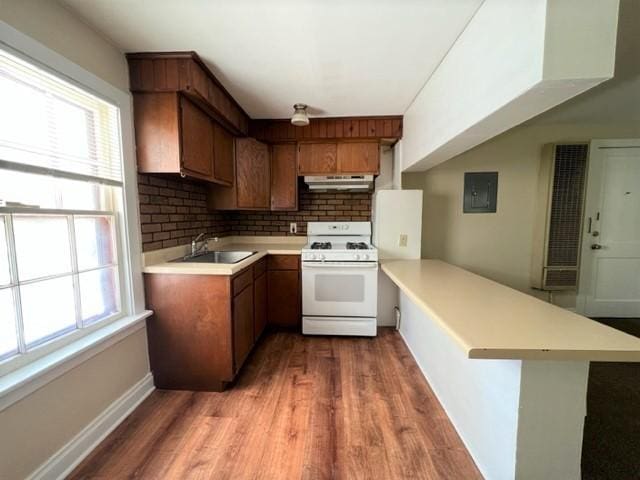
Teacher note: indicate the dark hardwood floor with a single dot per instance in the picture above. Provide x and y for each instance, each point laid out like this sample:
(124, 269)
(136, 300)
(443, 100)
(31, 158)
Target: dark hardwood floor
(302, 408)
(611, 446)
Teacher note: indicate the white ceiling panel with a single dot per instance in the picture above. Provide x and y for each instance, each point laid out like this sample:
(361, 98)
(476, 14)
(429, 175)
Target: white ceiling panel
(349, 57)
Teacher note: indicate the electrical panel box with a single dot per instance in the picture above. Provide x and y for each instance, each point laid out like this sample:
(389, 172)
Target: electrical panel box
(480, 192)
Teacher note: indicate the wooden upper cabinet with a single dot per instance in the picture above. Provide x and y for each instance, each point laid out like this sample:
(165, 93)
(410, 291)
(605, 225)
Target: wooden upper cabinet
(252, 174)
(359, 157)
(284, 177)
(197, 141)
(251, 183)
(175, 135)
(317, 158)
(222, 154)
(185, 72)
(344, 157)
(157, 130)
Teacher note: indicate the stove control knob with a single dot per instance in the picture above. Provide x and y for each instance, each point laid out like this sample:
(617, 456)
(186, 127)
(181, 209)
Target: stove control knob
(366, 256)
(322, 257)
(314, 256)
(356, 256)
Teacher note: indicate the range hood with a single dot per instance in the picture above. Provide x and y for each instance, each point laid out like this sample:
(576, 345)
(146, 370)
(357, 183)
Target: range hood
(340, 182)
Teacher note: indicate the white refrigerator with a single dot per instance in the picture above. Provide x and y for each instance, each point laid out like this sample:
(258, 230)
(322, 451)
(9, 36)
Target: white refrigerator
(397, 233)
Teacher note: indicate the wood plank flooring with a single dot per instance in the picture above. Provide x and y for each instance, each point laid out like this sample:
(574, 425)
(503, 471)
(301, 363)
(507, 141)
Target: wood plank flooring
(302, 408)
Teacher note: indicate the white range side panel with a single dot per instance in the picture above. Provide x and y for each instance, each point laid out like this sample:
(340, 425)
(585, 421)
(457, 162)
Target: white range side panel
(396, 213)
(388, 300)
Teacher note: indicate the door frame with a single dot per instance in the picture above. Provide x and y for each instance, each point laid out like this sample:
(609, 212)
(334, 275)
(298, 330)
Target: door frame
(590, 209)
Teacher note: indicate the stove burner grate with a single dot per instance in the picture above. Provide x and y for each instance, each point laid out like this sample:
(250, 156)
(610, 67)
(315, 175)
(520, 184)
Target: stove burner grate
(357, 246)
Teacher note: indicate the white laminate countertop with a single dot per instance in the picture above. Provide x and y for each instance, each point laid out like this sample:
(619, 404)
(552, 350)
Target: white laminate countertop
(492, 321)
(159, 261)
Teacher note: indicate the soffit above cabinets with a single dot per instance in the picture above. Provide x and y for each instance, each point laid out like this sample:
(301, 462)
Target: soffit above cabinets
(342, 58)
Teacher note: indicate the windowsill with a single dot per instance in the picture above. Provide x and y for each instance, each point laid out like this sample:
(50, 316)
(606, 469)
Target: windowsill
(20, 383)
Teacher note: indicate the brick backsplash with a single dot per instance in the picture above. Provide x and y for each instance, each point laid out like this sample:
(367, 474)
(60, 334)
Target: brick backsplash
(312, 207)
(172, 212)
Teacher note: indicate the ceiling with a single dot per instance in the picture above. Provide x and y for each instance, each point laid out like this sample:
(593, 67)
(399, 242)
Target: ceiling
(616, 101)
(349, 57)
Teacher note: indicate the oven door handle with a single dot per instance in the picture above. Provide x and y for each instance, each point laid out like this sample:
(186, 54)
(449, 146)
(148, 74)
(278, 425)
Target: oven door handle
(363, 265)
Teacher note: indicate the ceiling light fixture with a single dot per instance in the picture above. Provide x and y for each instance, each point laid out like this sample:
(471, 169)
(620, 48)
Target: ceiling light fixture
(300, 117)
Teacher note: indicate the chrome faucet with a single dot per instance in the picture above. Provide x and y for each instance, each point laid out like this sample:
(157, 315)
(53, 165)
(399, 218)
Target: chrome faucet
(195, 249)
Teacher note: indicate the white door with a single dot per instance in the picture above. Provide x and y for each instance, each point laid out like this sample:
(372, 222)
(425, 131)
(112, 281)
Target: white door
(610, 263)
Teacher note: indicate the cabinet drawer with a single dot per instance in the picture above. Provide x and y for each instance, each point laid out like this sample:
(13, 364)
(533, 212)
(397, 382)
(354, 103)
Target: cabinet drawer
(259, 267)
(242, 280)
(284, 262)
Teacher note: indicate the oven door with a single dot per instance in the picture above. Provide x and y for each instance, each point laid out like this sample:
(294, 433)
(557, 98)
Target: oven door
(340, 289)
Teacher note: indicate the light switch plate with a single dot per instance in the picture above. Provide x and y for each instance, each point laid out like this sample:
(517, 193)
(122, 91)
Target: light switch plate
(403, 240)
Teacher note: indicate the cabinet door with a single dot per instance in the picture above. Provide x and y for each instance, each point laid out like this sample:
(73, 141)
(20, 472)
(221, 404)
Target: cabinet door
(284, 177)
(242, 325)
(260, 305)
(197, 141)
(317, 158)
(252, 174)
(284, 298)
(359, 157)
(222, 154)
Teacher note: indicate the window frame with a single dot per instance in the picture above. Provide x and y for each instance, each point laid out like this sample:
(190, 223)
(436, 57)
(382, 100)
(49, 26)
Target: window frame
(128, 235)
(74, 272)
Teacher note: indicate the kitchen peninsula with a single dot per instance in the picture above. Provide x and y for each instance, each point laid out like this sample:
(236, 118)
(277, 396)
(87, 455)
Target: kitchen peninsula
(511, 371)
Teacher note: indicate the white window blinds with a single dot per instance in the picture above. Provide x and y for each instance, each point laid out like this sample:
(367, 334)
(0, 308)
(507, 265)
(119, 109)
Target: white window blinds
(48, 125)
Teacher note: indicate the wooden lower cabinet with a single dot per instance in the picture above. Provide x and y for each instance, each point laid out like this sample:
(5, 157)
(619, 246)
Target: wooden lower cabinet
(205, 326)
(202, 329)
(260, 303)
(283, 283)
(243, 336)
(190, 336)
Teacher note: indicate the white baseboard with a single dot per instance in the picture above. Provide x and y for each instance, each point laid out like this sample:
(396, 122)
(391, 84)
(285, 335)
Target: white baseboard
(68, 457)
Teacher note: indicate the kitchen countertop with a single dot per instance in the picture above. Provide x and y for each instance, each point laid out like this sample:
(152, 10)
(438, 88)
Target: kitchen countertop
(492, 321)
(159, 261)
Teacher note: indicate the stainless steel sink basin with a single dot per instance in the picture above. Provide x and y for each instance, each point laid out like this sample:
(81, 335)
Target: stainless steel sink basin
(217, 257)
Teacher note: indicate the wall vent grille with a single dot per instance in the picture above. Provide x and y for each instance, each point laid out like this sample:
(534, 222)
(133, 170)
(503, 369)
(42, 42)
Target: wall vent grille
(562, 182)
(565, 218)
(561, 278)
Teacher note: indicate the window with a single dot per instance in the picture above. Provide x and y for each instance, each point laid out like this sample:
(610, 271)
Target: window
(61, 209)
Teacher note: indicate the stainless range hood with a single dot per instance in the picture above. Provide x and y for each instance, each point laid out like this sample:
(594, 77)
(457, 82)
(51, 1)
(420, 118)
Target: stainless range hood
(340, 182)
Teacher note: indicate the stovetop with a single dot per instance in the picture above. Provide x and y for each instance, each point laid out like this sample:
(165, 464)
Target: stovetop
(339, 242)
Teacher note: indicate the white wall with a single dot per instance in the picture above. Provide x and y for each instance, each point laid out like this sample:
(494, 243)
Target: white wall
(384, 181)
(515, 59)
(480, 396)
(39, 425)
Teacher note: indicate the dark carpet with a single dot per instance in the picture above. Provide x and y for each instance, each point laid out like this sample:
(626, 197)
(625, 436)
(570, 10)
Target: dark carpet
(611, 445)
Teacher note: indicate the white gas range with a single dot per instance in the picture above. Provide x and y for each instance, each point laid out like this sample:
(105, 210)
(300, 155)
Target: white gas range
(339, 279)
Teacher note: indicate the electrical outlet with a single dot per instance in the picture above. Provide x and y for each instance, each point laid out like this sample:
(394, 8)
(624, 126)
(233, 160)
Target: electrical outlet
(293, 227)
(402, 241)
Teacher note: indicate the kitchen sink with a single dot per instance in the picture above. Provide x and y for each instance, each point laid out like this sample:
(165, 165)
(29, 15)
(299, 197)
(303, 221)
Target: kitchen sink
(216, 257)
